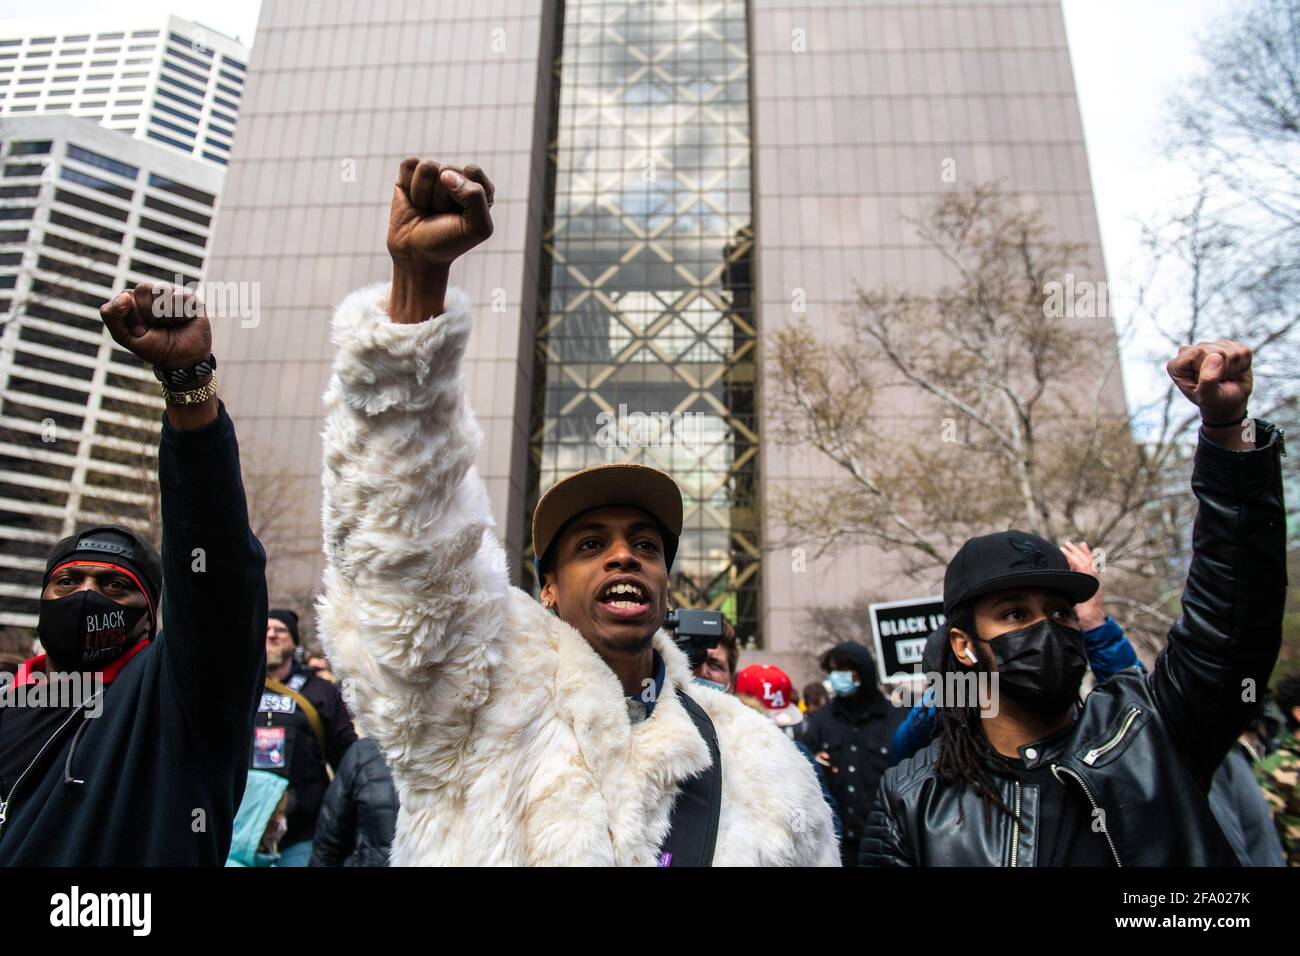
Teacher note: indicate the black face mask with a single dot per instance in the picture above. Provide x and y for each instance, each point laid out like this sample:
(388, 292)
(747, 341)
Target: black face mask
(1040, 667)
(86, 631)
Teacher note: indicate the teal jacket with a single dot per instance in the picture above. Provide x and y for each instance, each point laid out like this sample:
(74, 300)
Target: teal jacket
(261, 794)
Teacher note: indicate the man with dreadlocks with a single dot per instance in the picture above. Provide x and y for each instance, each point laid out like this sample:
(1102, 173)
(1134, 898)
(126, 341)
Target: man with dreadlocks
(1031, 777)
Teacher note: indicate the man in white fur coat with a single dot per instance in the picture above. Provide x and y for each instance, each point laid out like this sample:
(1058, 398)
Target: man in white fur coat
(518, 733)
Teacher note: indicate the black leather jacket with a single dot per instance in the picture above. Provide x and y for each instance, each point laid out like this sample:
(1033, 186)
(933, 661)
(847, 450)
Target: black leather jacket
(1144, 748)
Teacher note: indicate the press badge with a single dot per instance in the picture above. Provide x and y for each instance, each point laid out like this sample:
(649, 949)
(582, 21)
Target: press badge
(269, 748)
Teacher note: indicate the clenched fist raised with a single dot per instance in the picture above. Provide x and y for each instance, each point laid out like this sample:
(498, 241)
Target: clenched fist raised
(439, 213)
(162, 324)
(168, 328)
(1216, 378)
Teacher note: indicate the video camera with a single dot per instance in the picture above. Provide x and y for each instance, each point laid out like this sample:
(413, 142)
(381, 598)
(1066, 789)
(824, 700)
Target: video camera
(695, 632)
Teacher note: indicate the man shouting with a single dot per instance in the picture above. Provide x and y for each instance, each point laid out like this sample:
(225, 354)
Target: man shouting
(519, 733)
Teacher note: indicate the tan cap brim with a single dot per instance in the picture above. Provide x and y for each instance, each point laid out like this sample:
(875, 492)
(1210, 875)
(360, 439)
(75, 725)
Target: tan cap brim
(632, 486)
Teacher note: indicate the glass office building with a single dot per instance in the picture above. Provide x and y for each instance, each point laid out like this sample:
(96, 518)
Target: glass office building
(646, 338)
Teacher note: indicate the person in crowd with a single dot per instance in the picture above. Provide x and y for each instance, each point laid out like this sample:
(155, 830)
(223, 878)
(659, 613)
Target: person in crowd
(319, 665)
(303, 727)
(359, 816)
(1028, 776)
(1279, 772)
(718, 669)
(568, 731)
(769, 690)
(1107, 647)
(815, 697)
(143, 760)
(851, 737)
(1261, 736)
(1235, 799)
(1240, 807)
(262, 820)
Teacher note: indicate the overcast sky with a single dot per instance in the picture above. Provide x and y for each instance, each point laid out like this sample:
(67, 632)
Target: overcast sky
(1128, 55)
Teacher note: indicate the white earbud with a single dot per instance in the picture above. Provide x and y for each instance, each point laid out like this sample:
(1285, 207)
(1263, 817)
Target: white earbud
(970, 656)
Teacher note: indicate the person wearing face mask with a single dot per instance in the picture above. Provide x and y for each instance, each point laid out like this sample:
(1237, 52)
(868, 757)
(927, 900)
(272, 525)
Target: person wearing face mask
(140, 757)
(851, 737)
(1028, 776)
(1107, 647)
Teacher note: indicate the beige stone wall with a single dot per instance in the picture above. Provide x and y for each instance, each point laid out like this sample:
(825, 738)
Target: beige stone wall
(850, 133)
(337, 95)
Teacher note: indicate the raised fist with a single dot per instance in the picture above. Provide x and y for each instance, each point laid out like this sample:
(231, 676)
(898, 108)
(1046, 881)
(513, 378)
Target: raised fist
(1079, 556)
(439, 213)
(1216, 377)
(165, 326)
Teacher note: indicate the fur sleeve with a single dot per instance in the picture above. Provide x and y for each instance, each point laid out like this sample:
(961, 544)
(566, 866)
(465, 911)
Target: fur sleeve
(415, 580)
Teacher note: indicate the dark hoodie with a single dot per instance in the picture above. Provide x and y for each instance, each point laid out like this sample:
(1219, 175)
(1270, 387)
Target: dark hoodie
(153, 772)
(854, 734)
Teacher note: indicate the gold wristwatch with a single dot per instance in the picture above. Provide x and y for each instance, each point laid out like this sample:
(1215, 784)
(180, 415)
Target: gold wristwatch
(194, 396)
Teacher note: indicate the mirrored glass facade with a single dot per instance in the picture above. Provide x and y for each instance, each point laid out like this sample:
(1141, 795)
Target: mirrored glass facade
(646, 339)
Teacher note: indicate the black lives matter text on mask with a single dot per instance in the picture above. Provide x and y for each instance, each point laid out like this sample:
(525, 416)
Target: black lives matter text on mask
(87, 630)
(105, 629)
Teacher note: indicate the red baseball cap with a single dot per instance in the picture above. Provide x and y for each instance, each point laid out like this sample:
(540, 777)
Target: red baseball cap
(773, 688)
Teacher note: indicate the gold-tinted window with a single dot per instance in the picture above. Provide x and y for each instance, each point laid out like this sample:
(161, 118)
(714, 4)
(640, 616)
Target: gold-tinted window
(646, 333)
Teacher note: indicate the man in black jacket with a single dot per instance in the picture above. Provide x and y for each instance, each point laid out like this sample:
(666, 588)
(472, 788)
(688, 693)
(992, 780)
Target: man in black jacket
(851, 737)
(146, 764)
(1037, 780)
(302, 725)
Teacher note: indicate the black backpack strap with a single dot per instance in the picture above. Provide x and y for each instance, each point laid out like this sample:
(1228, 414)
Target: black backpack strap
(693, 824)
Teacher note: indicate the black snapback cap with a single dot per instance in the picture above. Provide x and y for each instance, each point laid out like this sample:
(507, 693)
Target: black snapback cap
(1011, 559)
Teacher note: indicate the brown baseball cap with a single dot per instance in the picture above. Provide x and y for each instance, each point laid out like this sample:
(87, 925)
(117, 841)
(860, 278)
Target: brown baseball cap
(634, 486)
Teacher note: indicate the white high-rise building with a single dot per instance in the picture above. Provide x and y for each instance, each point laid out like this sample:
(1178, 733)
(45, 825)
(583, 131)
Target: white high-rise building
(86, 211)
(168, 80)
